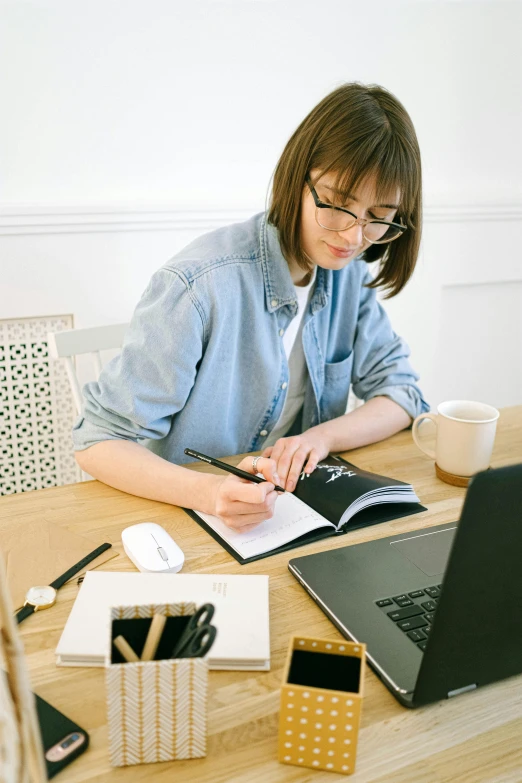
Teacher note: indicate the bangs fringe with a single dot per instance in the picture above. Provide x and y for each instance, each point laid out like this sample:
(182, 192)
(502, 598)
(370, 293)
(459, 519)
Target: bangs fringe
(385, 162)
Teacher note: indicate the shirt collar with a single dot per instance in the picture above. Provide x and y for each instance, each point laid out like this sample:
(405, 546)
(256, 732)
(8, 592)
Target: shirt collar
(279, 287)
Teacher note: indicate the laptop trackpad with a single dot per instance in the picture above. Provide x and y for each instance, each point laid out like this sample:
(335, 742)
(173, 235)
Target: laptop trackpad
(428, 551)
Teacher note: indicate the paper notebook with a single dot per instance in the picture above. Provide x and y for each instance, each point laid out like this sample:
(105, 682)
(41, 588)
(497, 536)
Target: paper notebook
(241, 617)
(336, 498)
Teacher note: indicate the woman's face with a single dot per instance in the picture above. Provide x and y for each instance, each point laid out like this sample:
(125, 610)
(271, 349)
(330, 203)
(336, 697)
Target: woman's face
(335, 249)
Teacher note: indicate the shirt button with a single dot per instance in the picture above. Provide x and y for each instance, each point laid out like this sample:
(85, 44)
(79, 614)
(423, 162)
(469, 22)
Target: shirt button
(263, 433)
(284, 385)
(281, 332)
(274, 302)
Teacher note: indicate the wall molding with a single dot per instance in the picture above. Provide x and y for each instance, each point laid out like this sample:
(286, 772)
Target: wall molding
(116, 218)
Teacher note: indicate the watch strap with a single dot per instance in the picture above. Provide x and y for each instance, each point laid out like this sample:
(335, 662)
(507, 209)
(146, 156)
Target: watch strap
(24, 612)
(61, 580)
(28, 609)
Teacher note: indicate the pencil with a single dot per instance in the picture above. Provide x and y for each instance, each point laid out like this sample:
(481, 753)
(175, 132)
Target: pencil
(153, 637)
(229, 468)
(125, 649)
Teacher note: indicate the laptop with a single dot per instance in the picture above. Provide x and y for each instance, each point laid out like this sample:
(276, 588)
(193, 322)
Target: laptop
(440, 609)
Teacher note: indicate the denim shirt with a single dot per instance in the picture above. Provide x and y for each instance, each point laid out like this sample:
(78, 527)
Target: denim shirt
(203, 364)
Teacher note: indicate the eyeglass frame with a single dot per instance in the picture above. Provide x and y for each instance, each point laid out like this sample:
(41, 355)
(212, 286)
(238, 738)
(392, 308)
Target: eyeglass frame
(356, 220)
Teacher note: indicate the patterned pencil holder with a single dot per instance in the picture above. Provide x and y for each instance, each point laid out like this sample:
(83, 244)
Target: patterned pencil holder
(157, 710)
(321, 699)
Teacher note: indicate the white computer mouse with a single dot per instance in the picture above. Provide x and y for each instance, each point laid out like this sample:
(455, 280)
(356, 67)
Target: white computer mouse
(151, 548)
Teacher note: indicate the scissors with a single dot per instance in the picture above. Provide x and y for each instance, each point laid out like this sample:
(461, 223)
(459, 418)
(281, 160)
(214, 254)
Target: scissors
(198, 635)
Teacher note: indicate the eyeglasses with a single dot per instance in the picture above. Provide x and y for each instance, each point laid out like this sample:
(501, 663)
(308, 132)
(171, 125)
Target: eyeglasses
(378, 232)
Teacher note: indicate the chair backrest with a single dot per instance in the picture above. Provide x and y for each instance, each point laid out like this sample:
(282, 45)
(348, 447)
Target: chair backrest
(73, 342)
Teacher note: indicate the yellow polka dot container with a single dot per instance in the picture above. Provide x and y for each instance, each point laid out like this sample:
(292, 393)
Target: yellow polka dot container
(321, 700)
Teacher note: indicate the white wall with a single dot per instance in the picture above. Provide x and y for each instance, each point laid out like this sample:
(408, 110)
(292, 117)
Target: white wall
(129, 127)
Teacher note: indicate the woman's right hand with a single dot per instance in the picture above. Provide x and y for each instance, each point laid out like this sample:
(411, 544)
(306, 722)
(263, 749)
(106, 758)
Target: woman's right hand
(243, 504)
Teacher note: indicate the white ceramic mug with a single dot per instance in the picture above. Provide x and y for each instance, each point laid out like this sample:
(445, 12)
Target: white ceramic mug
(465, 436)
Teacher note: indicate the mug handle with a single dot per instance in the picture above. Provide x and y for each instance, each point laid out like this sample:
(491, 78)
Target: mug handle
(415, 436)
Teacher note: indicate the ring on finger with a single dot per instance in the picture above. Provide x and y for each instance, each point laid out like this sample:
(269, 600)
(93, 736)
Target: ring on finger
(255, 460)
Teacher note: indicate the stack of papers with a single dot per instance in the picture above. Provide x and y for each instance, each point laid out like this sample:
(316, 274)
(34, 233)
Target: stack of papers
(241, 617)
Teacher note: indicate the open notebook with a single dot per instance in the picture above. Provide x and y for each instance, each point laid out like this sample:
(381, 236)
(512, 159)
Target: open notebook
(336, 498)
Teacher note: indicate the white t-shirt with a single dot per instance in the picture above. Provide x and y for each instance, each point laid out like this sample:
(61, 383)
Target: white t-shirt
(298, 371)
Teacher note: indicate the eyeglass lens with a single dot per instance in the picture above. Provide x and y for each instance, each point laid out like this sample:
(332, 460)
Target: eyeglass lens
(339, 221)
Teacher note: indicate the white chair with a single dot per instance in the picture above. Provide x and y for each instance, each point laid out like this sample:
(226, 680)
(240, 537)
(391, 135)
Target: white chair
(74, 342)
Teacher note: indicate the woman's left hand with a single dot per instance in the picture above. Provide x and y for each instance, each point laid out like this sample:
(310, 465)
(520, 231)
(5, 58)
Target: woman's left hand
(295, 453)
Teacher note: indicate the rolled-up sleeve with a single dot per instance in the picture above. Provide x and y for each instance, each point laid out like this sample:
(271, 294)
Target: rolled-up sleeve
(380, 365)
(140, 391)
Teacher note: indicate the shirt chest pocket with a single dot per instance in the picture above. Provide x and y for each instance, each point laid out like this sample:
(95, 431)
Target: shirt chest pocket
(337, 378)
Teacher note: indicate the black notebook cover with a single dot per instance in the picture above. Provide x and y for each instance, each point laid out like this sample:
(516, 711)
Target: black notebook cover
(339, 488)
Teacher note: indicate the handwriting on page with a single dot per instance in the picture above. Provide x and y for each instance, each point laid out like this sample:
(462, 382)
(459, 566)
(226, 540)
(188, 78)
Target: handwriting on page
(336, 470)
(265, 530)
(291, 519)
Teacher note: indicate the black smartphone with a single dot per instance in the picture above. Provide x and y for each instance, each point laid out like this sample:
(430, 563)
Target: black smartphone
(62, 739)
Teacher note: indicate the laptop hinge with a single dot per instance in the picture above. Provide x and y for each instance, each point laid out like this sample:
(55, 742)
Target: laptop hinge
(465, 689)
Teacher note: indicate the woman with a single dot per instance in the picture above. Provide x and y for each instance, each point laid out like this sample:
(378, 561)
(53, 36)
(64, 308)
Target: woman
(250, 337)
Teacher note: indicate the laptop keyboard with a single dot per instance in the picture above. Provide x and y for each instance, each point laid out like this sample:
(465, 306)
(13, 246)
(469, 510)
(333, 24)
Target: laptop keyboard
(413, 612)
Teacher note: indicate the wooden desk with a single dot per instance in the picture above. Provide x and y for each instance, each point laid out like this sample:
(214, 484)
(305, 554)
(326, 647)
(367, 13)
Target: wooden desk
(473, 739)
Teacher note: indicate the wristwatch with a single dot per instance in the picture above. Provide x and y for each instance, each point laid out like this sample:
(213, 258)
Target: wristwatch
(44, 596)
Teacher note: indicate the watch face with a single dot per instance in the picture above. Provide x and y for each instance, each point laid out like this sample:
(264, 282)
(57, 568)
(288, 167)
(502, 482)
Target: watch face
(41, 596)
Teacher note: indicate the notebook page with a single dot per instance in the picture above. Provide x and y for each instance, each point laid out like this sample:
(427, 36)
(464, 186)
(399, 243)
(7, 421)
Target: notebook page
(292, 518)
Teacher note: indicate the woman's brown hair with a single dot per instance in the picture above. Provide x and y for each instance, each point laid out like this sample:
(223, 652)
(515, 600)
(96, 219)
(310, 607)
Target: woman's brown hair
(354, 132)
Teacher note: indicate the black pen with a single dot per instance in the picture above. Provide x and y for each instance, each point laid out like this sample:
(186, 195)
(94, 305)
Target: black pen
(229, 468)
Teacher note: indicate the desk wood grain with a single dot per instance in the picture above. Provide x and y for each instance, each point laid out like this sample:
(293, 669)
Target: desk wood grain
(475, 738)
